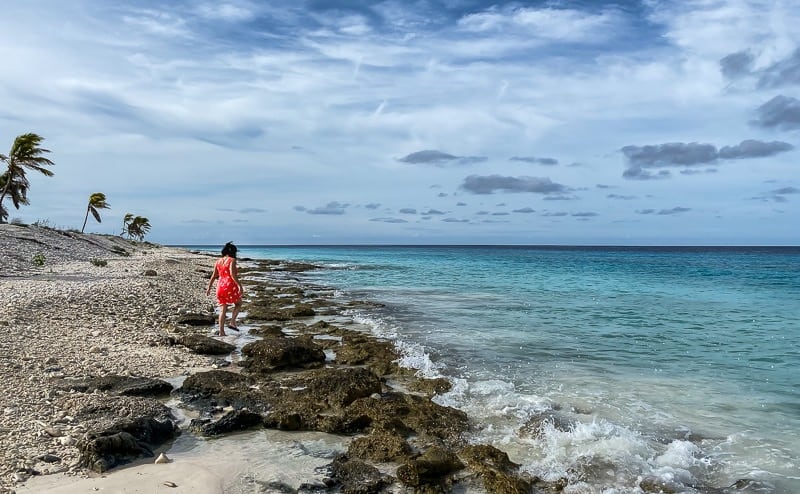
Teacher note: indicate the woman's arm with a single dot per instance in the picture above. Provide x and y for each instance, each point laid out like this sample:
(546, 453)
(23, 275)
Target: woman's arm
(212, 280)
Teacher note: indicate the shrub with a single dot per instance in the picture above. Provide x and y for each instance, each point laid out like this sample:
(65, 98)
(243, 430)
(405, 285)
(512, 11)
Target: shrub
(99, 262)
(38, 259)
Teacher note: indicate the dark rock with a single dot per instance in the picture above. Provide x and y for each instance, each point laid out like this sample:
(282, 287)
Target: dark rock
(380, 446)
(195, 319)
(430, 468)
(658, 486)
(357, 477)
(430, 387)
(49, 458)
(315, 399)
(235, 420)
(270, 354)
(205, 345)
(145, 424)
(499, 474)
(273, 331)
(359, 349)
(407, 414)
(150, 272)
(118, 385)
(535, 426)
(220, 388)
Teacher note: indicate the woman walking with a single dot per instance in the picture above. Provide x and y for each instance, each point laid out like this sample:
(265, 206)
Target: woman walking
(229, 290)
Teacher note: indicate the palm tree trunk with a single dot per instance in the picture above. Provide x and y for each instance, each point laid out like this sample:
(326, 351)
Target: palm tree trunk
(2, 197)
(86, 218)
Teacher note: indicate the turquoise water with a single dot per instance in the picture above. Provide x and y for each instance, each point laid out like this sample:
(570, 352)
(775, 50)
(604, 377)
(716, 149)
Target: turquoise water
(674, 364)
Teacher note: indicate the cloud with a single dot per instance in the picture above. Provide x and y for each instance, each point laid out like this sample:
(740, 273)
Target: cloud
(525, 210)
(442, 194)
(332, 208)
(408, 211)
(736, 65)
(675, 210)
(461, 204)
(501, 213)
(585, 215)
(670, 154)
(679, 154)
(781, 112)
(439, 158)
(560, 197)
(252, 210)
(478, 184)
(782, 73)
(372, 205)
(432, 212)
(455, 220)
(538, 161)
(620, 197)
(554, 213)
(777, 195)
(751, 148)
(389, 220)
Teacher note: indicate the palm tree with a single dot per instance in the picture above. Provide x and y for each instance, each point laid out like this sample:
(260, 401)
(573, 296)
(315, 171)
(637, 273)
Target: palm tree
(25, 154)
(126, 222)
(138, 227)
(17, 190)
(96, 201)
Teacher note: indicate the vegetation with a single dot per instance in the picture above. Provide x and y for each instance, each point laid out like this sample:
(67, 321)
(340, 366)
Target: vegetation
(99, 262)
(96, 201)
(135, 226)
(38, 259)
(25, 154)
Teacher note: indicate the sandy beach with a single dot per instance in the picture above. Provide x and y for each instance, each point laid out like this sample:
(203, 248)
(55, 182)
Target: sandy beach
(69, 318)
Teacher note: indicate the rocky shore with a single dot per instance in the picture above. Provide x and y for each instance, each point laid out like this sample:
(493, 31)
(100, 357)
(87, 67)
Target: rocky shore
(93, 331)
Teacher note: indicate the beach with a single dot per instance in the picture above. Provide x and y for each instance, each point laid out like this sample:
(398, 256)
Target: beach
(70, 318)
(319, 404)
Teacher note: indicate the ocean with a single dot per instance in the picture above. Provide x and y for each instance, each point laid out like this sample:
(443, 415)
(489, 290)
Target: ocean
(604, 365)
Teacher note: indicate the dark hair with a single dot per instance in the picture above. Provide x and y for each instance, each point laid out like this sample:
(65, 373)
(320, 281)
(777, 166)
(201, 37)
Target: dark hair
(229, 250)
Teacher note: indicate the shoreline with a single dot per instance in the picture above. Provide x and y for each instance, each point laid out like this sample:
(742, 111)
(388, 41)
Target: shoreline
(109, 313)
(72, 318)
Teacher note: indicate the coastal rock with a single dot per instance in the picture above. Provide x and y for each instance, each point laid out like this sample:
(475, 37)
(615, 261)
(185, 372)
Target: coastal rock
(118, 385)
(432, 467)
(358, 349)
(119, 428)
(233, 421)
(270, 354)
(430, 387)
(197, 319)
(357, 477)
(499, 474)
(220, 388)
(380, 446)
(205, 345)
(407, 414)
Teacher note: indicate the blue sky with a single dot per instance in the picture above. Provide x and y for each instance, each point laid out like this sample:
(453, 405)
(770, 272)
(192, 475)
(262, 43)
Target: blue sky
(431, 121)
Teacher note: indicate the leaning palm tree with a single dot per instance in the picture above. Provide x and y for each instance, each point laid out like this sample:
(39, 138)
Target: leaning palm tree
(17, 191)
(25, 154)
(126, 223)
(138, 227)
(96, 201)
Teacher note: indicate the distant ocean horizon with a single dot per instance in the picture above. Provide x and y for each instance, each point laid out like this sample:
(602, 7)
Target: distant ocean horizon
(607, 365)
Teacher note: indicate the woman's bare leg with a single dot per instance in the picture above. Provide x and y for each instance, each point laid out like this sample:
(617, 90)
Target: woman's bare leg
(235, 313)
(223, 311)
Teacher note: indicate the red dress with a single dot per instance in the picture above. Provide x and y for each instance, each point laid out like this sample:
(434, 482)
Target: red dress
(227, 290)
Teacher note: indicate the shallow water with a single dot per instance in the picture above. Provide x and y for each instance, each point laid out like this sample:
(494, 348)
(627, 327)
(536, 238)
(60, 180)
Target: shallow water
(673, 364)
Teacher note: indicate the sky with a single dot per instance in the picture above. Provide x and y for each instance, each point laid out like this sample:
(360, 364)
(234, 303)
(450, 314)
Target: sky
(412, 121)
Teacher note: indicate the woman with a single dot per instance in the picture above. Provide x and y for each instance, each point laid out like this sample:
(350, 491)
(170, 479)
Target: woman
(229, 290)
